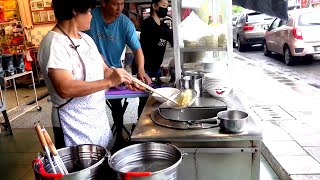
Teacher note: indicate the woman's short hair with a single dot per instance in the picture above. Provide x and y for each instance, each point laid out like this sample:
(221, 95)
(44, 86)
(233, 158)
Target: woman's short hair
(153, 2)
(64, 9)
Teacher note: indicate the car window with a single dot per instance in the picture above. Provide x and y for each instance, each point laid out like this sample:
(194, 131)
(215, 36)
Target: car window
(234, 18)
(257, 17)
(309, 19)
(275, 24)
(239, 20)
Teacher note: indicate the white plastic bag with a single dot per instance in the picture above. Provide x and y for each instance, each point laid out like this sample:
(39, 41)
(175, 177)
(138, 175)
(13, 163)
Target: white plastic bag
(191, 30)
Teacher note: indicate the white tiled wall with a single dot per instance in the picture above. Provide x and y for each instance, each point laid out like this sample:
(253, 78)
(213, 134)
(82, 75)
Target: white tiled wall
(38, 32)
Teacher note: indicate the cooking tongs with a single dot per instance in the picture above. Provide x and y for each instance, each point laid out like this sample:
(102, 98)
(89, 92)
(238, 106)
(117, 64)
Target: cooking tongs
(47, 144)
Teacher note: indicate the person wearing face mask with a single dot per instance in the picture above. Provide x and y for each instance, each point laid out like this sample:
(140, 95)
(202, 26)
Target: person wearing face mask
(153, 38)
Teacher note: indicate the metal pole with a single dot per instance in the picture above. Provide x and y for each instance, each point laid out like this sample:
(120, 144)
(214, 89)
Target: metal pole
(15, 91)
(34, 88)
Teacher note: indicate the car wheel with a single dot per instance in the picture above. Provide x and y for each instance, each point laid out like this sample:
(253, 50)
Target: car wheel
(241, 47)
(288, 58)
(266, 52)
(234, 44)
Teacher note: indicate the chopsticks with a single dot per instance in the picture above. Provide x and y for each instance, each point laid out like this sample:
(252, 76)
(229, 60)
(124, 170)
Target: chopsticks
(47, 144)
(44, 145)
(54, 152)
(150, 88)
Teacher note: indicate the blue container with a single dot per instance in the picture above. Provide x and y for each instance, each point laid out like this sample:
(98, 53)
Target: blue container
(7, 64)
(18, 63)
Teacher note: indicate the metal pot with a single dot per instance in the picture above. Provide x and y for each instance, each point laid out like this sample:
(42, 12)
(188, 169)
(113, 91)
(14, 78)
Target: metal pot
(192, 82)
(233, 121)
(147, 161)
(82, 162)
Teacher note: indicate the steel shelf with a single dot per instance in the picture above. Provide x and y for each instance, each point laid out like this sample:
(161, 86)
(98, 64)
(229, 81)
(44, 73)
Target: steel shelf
(201, 49)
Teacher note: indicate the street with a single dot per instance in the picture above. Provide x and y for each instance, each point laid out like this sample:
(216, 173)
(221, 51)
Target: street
(308, 73)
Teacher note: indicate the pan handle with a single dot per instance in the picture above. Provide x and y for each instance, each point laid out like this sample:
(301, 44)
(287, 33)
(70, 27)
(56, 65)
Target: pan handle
(214, 120)
(136, 174)
(43, 172)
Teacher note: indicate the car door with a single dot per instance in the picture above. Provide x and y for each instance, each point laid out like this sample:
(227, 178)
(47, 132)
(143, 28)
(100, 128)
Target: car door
(281, 37)
(237, 27)
(270, 36)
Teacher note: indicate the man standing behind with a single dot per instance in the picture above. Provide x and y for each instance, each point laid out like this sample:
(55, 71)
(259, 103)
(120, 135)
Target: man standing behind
(111, 31)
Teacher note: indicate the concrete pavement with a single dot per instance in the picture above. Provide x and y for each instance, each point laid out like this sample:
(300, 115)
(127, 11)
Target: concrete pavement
(287, 112)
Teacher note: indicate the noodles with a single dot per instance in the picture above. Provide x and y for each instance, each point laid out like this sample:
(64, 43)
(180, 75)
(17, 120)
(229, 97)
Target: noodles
(184, 97)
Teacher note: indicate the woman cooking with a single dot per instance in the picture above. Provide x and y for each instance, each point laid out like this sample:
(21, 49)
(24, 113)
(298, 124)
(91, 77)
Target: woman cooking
(77, 77)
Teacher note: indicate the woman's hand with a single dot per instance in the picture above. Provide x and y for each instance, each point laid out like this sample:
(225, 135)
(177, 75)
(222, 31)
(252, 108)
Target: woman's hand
(119, 76)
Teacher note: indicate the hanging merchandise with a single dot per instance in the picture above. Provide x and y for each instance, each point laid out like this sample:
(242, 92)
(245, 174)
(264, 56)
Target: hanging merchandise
(9, 9)
(1, 14)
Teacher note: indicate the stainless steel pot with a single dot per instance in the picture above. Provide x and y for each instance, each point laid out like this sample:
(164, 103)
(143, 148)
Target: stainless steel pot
(82, 162)
(146, 161)
(233, 121)
(192, 82)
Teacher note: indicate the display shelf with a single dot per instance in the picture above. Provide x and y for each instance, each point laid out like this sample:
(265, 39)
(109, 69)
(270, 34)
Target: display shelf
(201, 49)
(12, 37)
(17, 75)
(217, 15)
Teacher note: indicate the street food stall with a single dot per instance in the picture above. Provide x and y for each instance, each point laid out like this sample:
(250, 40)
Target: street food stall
(203, 62)
(213, 137)
(203, 54)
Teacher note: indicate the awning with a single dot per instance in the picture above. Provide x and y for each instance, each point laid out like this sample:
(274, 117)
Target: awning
(277, 8)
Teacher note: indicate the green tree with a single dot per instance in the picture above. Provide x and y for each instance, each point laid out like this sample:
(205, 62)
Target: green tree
(236, 9)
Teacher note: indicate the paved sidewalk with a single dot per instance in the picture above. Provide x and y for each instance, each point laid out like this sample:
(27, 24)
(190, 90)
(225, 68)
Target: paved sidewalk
(287, 112)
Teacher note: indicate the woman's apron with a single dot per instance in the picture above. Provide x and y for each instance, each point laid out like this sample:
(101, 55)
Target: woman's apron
(84, 119)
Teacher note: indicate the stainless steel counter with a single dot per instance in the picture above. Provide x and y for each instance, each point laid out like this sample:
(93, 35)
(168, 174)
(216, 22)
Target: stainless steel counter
(146, 130)
(208, 153)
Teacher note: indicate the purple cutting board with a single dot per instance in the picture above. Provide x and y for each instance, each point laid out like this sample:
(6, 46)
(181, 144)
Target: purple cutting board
(125, 90)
